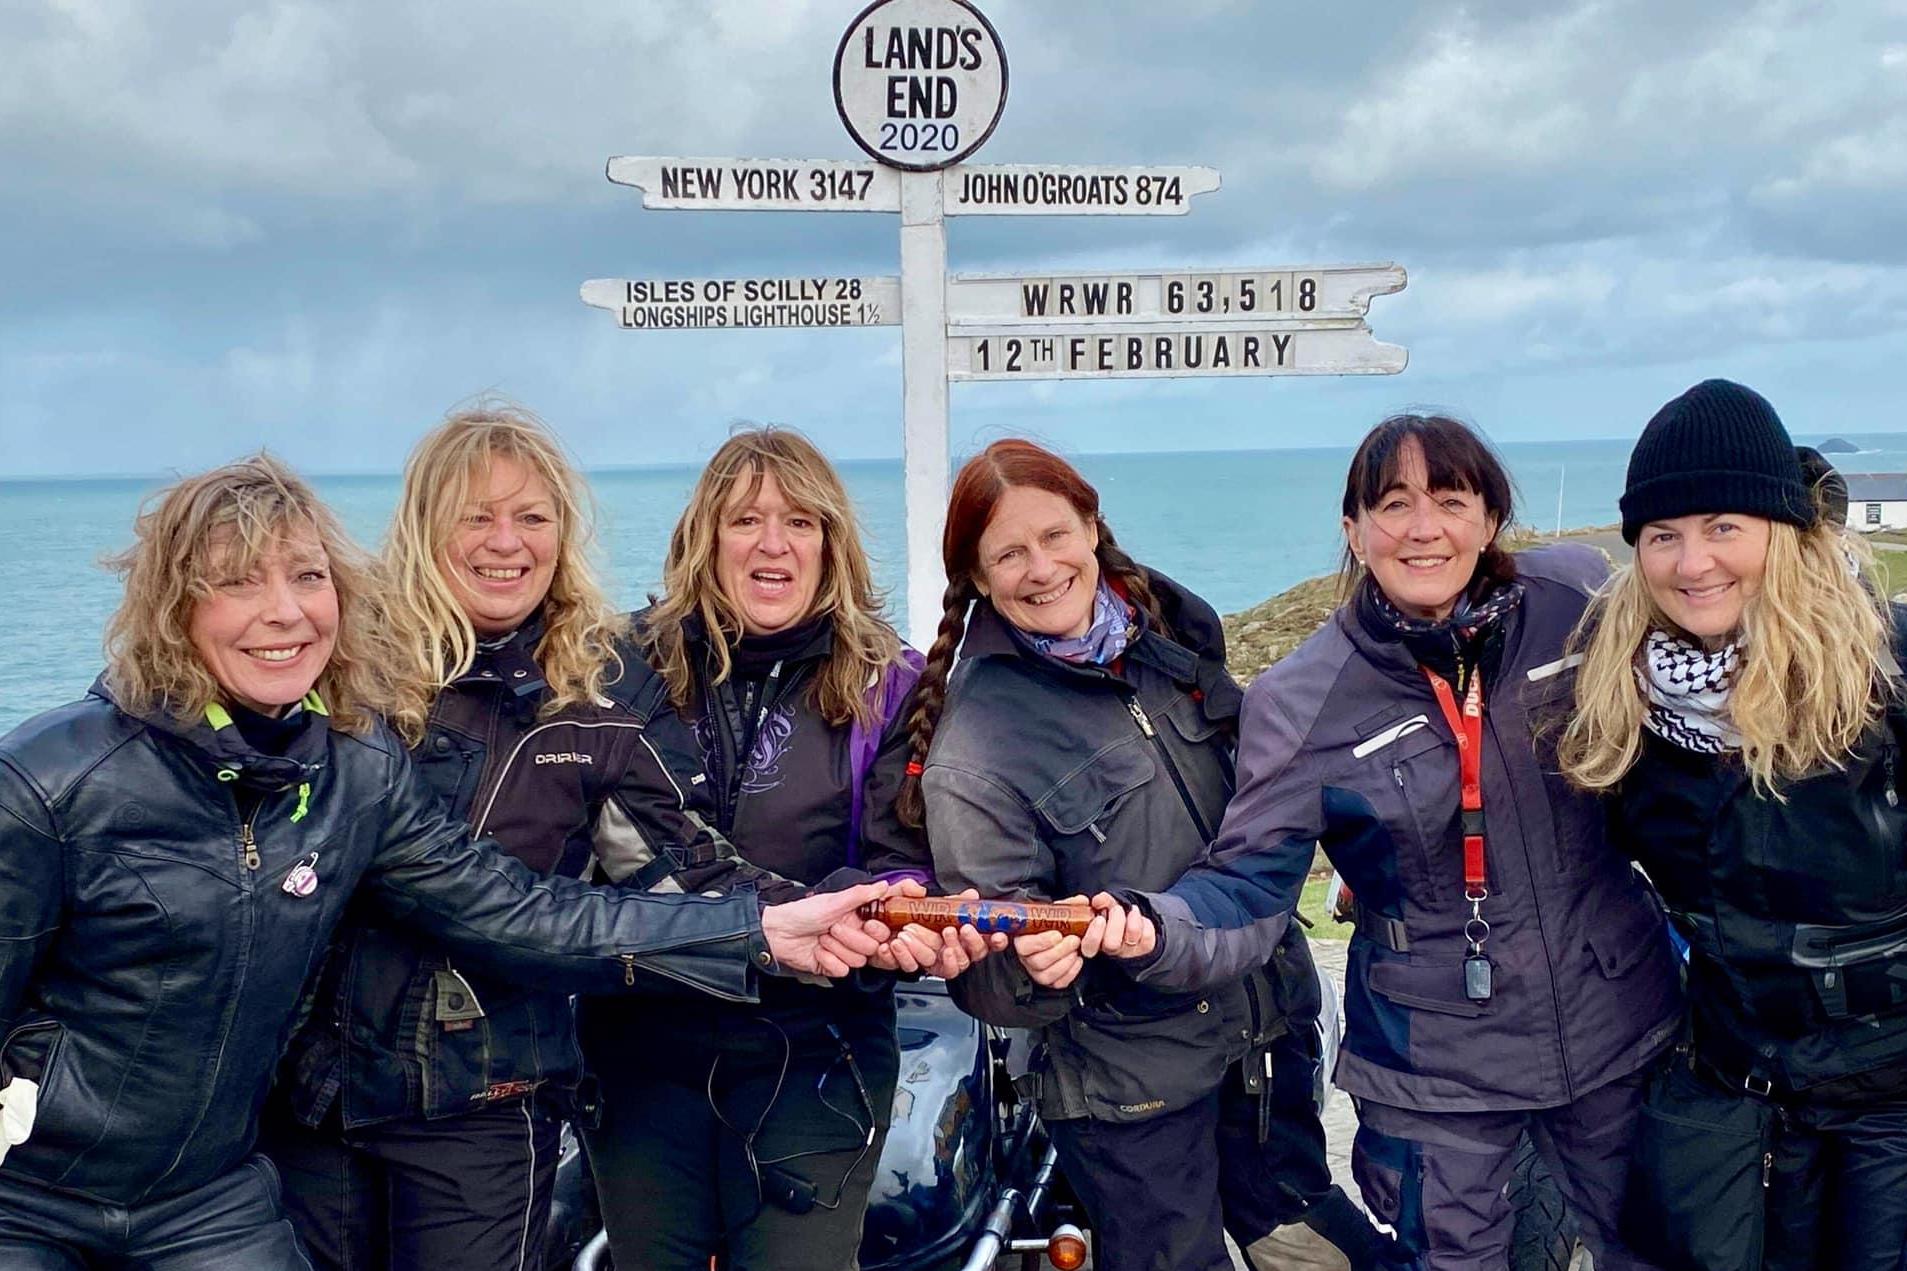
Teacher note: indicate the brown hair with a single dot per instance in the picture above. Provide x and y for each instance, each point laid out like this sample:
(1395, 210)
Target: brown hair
(982, 481)
(218, 523)
(1455, 458)
(864, 643)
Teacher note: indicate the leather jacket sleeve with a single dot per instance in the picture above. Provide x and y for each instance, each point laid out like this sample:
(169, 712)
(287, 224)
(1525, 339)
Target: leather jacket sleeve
(983, 837)
(32, 873)
(1226, 916)
(430, 873)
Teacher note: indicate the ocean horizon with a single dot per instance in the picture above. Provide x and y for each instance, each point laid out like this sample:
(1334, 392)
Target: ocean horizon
(1235, 526)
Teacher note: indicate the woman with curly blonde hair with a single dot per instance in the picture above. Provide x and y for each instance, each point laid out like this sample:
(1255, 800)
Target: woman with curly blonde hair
(177, 848)
(435, 1144)
(1739, 701)
(756, 1130)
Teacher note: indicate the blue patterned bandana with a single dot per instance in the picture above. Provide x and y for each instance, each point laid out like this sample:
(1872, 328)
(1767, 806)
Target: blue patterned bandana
(1104, 640)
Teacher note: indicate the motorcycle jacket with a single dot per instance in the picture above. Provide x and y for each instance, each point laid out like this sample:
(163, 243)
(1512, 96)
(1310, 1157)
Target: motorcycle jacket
(383, 1038)
(1049, 778)
(1344, 747)
(166, 890)
(1795, 909)
(782, 780)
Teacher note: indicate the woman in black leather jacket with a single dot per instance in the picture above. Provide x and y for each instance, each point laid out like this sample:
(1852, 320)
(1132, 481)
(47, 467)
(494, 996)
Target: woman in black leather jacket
(1740, 700)
(1086, 742)
(176, 849)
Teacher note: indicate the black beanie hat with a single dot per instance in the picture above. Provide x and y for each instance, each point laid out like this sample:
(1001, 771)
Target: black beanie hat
(1719, 447)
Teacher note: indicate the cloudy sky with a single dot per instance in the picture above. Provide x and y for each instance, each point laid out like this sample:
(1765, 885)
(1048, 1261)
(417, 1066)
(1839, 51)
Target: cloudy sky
(316, 224)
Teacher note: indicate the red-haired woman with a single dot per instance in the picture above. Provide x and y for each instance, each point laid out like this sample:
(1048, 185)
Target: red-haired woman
(1086, 741)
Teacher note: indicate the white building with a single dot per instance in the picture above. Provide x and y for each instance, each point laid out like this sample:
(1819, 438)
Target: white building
(1876, 500)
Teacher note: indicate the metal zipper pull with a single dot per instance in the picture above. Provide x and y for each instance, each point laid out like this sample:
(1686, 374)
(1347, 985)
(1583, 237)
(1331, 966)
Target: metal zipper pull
(248, 846)
(1397, 775)
(628, 961)
(1767, 1168)
(1139, 714)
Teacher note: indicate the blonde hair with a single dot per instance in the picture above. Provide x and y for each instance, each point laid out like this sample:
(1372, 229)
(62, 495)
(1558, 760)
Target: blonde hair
(431, 637)
(864, 644)
(1816, 664)
(215, 525)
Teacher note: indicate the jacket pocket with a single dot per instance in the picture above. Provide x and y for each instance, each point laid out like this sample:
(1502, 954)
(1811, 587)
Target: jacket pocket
(1622, 935)
(1424, 986)
(1415, 777)
(1091, 795)
(30, 1049)
(1134, 1064)
(1697, 1190)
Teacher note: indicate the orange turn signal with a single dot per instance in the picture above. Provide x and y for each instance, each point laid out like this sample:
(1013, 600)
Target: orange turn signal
(1066, 1249)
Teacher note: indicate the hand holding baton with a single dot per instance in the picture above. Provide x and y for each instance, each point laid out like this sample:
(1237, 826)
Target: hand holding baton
(1014, 917)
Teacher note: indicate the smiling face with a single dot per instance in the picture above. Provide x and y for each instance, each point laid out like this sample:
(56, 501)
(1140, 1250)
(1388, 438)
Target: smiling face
(768, 557)
(1037, 563)
(266, 633)
(1421, 545)
(1703, 570)
(502, 552)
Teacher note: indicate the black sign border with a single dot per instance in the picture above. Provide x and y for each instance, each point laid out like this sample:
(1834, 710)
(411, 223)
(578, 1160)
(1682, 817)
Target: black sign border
(961, 156)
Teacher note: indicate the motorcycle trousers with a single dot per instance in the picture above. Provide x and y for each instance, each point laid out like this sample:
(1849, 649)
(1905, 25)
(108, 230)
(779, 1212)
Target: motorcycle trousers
(1438, 1178)
(769, 1166)
(471, 1192)
(1251, 1169)
(1838, 1192)
(233, 1223)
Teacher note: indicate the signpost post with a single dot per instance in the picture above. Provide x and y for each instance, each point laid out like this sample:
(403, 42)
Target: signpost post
(920, 86)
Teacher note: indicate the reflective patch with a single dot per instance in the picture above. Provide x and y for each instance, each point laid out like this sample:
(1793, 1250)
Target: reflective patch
(1557, 667)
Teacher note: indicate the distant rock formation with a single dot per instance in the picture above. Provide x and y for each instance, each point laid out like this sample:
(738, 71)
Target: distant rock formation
(1836, 446)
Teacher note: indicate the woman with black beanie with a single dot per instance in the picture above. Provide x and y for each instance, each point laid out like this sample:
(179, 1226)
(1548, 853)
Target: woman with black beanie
(1740, 702)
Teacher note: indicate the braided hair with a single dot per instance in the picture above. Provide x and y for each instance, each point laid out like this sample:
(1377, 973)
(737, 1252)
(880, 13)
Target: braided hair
(977, 490)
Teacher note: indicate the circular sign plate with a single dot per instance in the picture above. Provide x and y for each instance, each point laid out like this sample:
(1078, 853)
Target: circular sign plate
(920, 83)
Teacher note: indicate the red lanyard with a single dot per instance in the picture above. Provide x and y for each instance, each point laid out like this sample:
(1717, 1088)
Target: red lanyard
(1467, 726)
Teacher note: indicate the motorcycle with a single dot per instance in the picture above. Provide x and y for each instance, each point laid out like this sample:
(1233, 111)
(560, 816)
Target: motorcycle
(967, 1177)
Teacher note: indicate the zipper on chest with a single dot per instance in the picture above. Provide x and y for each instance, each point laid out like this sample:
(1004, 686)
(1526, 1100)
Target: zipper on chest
(248, 855)
(1144, 721)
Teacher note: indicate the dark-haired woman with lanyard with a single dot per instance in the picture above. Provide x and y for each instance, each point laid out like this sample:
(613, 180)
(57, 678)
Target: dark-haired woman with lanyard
(1508, 973)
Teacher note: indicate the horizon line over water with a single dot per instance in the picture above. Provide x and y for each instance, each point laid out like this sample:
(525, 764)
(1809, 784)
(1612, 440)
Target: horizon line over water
(1235, 526)
(315, 474)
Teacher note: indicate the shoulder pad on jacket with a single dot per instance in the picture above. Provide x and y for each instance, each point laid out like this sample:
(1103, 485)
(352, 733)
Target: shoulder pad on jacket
(1576, 565)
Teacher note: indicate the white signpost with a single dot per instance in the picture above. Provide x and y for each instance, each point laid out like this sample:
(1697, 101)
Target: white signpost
(920, 85)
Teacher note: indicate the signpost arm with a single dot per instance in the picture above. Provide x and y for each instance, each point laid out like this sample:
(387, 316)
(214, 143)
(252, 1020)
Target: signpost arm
(924, 397)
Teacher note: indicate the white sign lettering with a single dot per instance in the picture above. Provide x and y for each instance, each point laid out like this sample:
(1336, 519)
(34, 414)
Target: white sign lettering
(1237, 296)
(1056, 353)
(759, 185)
(675, 303)
(920, 83)
(1029, 189)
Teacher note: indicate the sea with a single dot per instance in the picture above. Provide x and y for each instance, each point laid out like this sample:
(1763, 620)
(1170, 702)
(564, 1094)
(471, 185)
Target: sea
(1234, 526)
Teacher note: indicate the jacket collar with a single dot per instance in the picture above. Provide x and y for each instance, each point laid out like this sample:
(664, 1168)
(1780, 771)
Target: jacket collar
(1390, 652)
(215, 739)
(513, 663)
(818, 645)
(990, 635)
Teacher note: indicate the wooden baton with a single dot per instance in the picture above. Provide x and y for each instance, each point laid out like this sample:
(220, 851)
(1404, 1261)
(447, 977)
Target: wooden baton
(1016, 918)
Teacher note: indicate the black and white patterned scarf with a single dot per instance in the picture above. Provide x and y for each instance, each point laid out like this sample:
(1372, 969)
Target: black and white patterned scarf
(1687, 687)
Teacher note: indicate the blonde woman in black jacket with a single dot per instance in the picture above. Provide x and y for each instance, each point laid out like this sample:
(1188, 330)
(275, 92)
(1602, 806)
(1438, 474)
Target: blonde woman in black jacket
(1740, 701)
